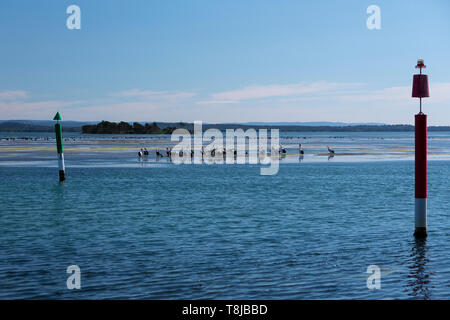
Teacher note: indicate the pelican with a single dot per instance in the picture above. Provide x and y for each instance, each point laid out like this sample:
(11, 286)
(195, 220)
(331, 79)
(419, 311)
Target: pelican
(300, 149)
(273, 150)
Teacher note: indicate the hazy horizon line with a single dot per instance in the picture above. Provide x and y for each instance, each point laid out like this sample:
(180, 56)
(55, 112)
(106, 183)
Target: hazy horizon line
(256, 123)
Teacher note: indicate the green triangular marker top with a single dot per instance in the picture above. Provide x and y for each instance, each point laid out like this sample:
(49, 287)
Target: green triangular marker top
(57, 116)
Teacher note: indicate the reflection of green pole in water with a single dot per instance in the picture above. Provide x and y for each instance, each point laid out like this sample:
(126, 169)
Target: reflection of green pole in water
(59, 147)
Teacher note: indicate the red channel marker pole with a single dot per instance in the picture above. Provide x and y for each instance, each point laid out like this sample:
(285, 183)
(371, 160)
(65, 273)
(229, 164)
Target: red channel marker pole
(420, 90)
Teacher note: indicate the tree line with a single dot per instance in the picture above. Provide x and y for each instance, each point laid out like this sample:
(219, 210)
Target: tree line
(106, 127)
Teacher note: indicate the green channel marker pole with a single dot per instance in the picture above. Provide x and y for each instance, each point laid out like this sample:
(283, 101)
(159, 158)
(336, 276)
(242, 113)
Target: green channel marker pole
(59, 147)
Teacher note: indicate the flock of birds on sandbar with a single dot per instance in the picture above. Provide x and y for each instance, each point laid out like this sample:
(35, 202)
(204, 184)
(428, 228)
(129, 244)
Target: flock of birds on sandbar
(274, 151)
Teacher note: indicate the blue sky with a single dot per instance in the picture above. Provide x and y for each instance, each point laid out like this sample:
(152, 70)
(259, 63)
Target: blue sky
(222, 61)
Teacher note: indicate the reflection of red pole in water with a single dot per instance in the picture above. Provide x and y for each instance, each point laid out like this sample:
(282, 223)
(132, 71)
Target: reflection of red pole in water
(420, 90)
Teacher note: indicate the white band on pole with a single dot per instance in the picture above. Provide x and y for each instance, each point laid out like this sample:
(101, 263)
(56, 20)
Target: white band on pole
(61, 162)
(420, 212)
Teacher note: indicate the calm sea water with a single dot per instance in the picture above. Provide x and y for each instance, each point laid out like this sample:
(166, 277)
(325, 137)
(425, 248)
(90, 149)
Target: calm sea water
(165, 231)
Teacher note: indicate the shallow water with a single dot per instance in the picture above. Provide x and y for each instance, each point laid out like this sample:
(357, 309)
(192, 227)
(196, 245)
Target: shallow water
(38, 149)
(222, 232)
(165, 231)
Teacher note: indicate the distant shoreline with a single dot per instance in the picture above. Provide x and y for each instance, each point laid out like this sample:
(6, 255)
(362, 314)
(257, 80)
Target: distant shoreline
(106, 127)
